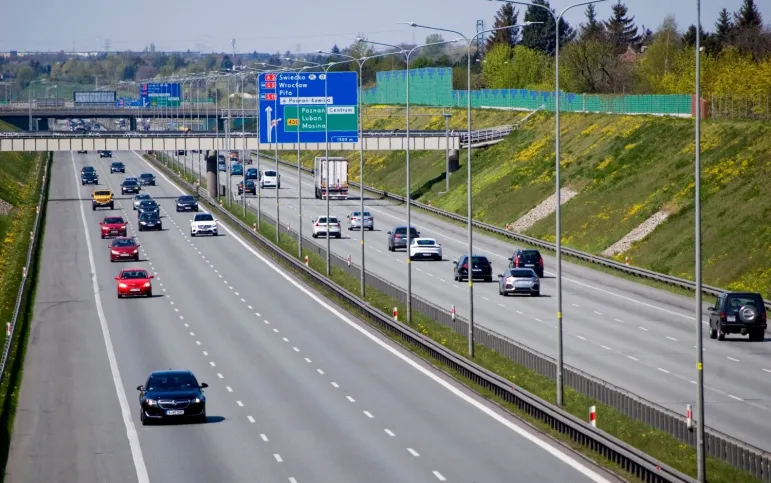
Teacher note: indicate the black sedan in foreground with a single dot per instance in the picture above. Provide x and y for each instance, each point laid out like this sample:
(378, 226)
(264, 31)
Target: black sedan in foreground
(170, 395)
(187, 203)
(148, 206)
(147, 179)
(130, 185)
(150, 220)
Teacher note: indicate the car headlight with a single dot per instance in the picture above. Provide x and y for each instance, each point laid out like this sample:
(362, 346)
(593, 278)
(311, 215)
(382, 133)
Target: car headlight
(534, 280)
(115, 252)
(151, 402)
(147, 285)
(122, 285)
(142, 222)
(197, 400)
(135, 250)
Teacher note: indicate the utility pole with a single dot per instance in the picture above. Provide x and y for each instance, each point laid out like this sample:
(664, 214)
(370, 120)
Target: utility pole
(233, 42)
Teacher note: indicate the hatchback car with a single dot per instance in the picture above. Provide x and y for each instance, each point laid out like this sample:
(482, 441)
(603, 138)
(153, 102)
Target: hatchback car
(397, 238)
(481, 268)
(140, 198)
(124, 248)
(527, 259)
(171, 395)
(148, 206)
(355, 221)
(105, 154)
(236, 170)
(112, 226)
(738, 313)
(519, 280)
(251, 187)
(252, 173)
(328, 229)
(134, 282)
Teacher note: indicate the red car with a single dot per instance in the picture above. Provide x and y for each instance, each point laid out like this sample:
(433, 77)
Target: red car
(124, 248)
(134, 282)
(113, 226)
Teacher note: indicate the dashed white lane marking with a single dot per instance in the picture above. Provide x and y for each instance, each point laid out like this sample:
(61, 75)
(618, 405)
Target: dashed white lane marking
(486, 298)
(582, 338)
(732, 359)
(368, 414)
(389, 432)
(520, 313)
(296, 349)
(211, 363)
(278, 457)
(251, 419)
(598, 313)
(767, 370)
(663, 370)
(350, 399)
(286, 340)
(671, 338)
(413, 452)
(501, 305)
(538, 320)
(205, 353)
(187, 326)
(619, 320)
(307, 360)
(606, 347)
(320, 371)
(643, 328)
(575, 305)
(181, 318)
(275, 330)
(335, 385)
(192, 334)
(230, 389)
(258, 315)
(734, 397)
(240, 403)
(634, 358)
(249, 307)
(264, 437)
(220, 376)
(292, 480)
(198, 342)
(439, 476)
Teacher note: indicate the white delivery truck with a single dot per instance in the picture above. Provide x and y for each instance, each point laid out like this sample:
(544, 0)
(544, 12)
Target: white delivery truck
(338, 178)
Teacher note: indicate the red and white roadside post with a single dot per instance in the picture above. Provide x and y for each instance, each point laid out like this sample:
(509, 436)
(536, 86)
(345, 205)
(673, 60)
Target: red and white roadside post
(306, 260)
(452, 312)
(349, 260)
(688, 417)
(396, 314)
(7, 329)
(254, 226)
(626, 260)
(593, 416)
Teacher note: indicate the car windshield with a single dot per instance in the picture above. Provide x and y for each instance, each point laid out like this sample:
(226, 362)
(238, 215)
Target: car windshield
(149, 215)
(148, 204)
(124, 242)
(89, 169)
(170, 382)
(117, 165)
(521, 273)
(113, 220)
(143, 196)
(133, 275)
(130, 182)
(186, 199)
(203, 217)
(426, 241)
(102, 193)
(252, 170)
(145, 175)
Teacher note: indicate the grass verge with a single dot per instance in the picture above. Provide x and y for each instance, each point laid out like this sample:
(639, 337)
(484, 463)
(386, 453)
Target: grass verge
(653, 442)
(13, 260)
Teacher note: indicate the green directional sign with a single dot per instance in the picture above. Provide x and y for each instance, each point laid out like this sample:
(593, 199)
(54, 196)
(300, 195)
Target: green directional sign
(312, 119)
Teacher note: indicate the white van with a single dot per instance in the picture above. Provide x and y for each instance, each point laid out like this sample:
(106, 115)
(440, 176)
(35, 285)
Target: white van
(270, 179)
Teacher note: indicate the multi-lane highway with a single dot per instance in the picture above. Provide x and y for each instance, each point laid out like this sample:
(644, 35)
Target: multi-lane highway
(634, 336)
(298, 390)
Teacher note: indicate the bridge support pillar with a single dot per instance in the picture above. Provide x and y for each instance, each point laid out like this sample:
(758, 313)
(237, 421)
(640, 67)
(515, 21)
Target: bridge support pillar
(221, 124)
(454, 160)
(133, 123)
(211, 173)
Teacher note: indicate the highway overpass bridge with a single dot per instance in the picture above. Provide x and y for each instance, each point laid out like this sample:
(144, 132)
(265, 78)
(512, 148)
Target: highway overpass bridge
(176, 141)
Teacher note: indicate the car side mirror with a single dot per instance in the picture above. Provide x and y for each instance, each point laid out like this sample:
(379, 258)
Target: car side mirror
(500, 275)
(140, 388)
(389, 232)
(152, 276)
(711, 308)
(204, 385)
(117, 278)
(509, 259)
(455, 262)
(101, 223)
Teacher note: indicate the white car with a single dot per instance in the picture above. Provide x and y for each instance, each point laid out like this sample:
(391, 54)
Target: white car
(422, 248)
(140, 198)
(203, 223)
(321, 227)
(270, 179)
(355, 221)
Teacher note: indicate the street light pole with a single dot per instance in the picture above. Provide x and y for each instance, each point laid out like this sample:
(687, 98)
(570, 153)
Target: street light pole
(30, 91)
(470, 269)
(700, 449)
(558, 187)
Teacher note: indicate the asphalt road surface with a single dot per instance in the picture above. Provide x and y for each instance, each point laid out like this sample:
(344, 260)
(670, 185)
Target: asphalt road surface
(634, 336)
(299, 391)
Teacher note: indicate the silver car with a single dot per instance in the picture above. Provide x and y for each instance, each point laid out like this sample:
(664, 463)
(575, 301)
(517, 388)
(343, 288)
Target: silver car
(140, 198)
(355, 221)
(519, 280)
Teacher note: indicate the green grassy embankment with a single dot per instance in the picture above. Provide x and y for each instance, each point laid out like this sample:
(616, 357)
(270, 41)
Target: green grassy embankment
(626, 168)
(20, 179)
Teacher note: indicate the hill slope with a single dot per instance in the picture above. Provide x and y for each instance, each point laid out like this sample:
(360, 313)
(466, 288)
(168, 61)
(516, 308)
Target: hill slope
(625, 168)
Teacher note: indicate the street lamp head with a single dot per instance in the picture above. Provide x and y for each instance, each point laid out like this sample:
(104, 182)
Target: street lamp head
(531, 23)
(456, 39)
(411, 24)
(319, 51)
(359, 39)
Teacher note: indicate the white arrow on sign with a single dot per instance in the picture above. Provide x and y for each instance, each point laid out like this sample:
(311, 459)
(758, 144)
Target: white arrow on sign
(268, 111)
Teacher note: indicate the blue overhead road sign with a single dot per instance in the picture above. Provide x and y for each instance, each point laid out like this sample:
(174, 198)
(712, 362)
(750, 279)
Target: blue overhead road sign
(160, 94)
(280, 118)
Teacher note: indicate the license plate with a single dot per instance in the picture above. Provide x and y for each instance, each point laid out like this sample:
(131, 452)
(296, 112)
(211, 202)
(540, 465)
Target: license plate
(124, 254)
(477, 269)
(135, 290)
(731, 318)
(529, 265)
(113, 232)
(175, 412)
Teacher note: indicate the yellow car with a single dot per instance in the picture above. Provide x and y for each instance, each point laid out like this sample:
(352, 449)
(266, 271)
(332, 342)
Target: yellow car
(102, 199)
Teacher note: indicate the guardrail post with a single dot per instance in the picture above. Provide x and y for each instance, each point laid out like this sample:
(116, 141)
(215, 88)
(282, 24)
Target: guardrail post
(452, 312)
(254, 226)
(349, 260)
(306, 260)
(396, 313)
(7, 329)
(688, 417)
(593, 416)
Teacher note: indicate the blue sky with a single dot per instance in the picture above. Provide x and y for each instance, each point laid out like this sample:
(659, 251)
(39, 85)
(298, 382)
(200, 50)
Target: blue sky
(269, 26)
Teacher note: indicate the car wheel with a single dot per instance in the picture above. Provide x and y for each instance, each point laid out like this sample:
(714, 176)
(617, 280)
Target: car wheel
(712, 333)
(177, 209)
(489, 279)
(192, 234)
(93, 207)
(149, 294)
(313, 235)
(112, 206)
(102, 237)
(536, 294)
(119, 295)
(142, 418)
(720, 334)
(500, 290)
(757, 335)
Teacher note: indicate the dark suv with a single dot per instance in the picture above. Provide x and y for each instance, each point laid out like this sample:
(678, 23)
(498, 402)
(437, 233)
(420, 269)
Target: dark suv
(397, 238)
(481, 268)
(527, 259)
(738, 313)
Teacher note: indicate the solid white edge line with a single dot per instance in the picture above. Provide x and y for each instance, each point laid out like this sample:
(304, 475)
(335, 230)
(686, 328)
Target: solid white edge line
(544, 445)
(131, 431)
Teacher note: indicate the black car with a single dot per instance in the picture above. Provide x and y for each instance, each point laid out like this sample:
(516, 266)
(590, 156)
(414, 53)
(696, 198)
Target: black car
(150, 220)
(117, 167)
(527, 259)
(105, 154)
(170, 395)
(187, 203)
(89, 177)
(250, 187)
(397, 238)
(481, 268)
(738, 313)
(82, 151)
(148, 206)
(130, 185)
(147, 179)
(181, 152)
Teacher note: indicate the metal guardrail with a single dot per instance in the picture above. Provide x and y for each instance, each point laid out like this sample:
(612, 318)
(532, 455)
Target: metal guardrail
(210, 134)
(23, 286)
(587, 257)
(630, 459)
